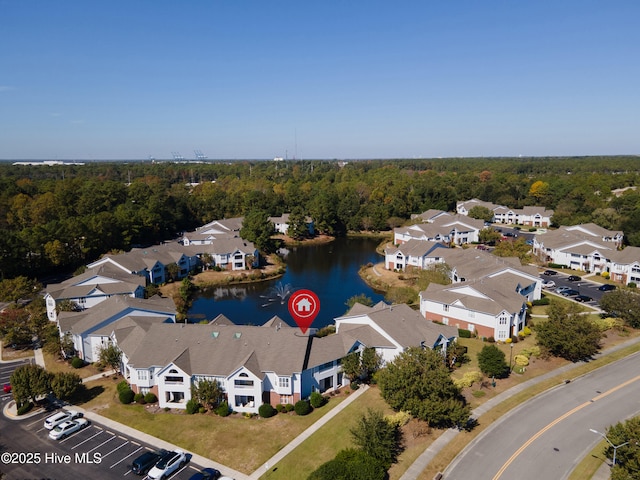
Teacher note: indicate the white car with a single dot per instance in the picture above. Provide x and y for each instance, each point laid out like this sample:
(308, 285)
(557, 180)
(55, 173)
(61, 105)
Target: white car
(62, 416)
(169, 463)
(548, 284)
(67, 428)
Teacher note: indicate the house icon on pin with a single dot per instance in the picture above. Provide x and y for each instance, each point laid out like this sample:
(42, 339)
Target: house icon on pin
(303, 305)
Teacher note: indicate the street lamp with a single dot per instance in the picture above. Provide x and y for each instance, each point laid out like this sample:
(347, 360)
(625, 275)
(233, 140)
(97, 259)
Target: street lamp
(510, 357)
(615, 447)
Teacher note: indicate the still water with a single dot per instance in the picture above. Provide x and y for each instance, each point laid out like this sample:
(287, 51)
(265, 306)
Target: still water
(330, 270)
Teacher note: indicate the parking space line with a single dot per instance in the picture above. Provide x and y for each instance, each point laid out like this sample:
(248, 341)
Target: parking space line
(98, 446)
(85, 441)
(120, 461)
(115, 449)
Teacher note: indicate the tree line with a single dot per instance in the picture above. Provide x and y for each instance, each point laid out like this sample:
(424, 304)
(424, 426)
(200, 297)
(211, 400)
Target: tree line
(61, 217)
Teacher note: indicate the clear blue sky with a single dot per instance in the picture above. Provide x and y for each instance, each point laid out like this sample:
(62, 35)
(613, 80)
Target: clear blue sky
(318, 79)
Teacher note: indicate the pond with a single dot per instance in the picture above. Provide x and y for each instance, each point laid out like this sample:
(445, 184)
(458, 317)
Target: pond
(330, 270)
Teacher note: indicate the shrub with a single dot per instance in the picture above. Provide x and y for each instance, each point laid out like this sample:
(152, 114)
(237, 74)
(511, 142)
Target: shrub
(526, 331)
(399, 419)
(201, 409)
(531, 351)
(192, 406)
(491, 340)
(468, 379)
(354, 386)
(266, 410)
(122, 386)
(462, 333)
(289, 407)
(138, 398)
(631, 285)
(608, 323)
(280, 408)
(24, 408)
(542, 301)
(605, 275)
(317, 400)
(126, 396)
(302, 407)
(150, 398)
(223, 409)
(77, 362)
(521, 360)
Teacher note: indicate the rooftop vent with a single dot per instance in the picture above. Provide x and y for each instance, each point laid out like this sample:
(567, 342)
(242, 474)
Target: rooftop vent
(215, 334)
(237, 335)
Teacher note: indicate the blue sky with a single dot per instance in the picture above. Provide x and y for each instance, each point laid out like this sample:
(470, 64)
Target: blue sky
(326, 79)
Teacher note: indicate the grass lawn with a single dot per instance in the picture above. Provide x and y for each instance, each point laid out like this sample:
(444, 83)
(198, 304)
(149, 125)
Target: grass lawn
(323, 445)
(241, 443)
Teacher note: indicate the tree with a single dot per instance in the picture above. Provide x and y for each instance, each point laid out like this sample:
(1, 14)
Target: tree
(539, 190)
(627, 457)
(492, 362)
(622, 303)
(377, 437)
(12, 290)
(481, 213)
(350, 464)
(362, 298)
(257, 228)
(567, 333)
(297, 224)
(208, 392)
(361, 364)
(111, 355)
(28, 382)
(65, 385)
(418, 381)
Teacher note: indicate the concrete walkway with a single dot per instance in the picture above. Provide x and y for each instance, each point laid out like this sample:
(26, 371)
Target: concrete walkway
(429, 454)
(306, 434)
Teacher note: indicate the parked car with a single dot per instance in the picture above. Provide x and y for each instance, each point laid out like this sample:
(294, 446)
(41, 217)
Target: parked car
(550, 272)
(583, 298)
(606, 287)
(6, 388)
(559, 290)
(146, 461)
(548, 284)
(67, 428)
(570, 293)
(169, 463)
(574, 278)
(63, 416)
(206, 474)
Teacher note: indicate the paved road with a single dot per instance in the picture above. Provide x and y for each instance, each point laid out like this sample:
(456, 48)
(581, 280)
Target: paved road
(547, 436)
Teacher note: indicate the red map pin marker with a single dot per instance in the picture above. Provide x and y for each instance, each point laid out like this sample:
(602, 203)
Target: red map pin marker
(304, 306)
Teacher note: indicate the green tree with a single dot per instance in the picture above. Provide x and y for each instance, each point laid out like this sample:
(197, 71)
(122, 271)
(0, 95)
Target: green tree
(65, 385)
(257, 228)
(28, 382)
(567, 333)
(418, 381)
(351, 366)
(111, 355)
(362, 298)
(298, 229)
(622, 303)
(14, 289)
(208, 393)
(377, 437)
(492, 363)
(481, 213)
(350, 464)
(627, 457)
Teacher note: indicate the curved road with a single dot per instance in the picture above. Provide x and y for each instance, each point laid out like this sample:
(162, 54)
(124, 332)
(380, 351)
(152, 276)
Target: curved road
(549, 435)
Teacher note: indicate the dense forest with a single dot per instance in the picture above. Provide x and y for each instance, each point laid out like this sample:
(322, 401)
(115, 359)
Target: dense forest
(56, 218)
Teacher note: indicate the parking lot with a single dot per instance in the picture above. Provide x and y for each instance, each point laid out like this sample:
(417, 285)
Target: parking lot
(93, 452)
(583, 286)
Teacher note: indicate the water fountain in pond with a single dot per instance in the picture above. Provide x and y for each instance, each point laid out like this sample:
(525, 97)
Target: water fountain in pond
(278, 293)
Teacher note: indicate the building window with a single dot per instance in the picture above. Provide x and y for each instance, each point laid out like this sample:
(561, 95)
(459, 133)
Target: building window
(143, 375)
(445, 308)
(283, 382)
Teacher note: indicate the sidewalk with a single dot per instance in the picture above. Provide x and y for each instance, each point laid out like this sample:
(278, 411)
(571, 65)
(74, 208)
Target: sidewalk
(429, 454)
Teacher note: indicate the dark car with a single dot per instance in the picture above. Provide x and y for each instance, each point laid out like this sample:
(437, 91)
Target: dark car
(550, 272)
(606, 287)
(570, 293)
(144, 462)
(206, 474)
(574, 278)
(583, 298)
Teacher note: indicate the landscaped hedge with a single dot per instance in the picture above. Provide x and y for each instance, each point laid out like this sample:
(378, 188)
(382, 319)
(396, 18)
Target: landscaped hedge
(150, 398)
(462, 333)
(302, 407)
(126, 396)
(266, 410)
(77, 362)
(24, 408)
(317, 400)
(223, 409)
(542, 301)
(192, 406)
(138, 398)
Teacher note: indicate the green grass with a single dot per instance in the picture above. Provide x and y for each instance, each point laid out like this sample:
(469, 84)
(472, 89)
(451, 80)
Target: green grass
(324, 444)
(590, 464)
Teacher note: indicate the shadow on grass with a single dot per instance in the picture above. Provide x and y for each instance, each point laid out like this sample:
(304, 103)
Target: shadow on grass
(85, 395)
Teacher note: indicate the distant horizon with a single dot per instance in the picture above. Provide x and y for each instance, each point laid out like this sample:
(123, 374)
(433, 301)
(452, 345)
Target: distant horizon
(124, 81)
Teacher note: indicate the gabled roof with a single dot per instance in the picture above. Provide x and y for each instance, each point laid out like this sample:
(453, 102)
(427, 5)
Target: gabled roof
(414, 248)
(221, 226)
(430, 215)
(112, 309)
(627, 256)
